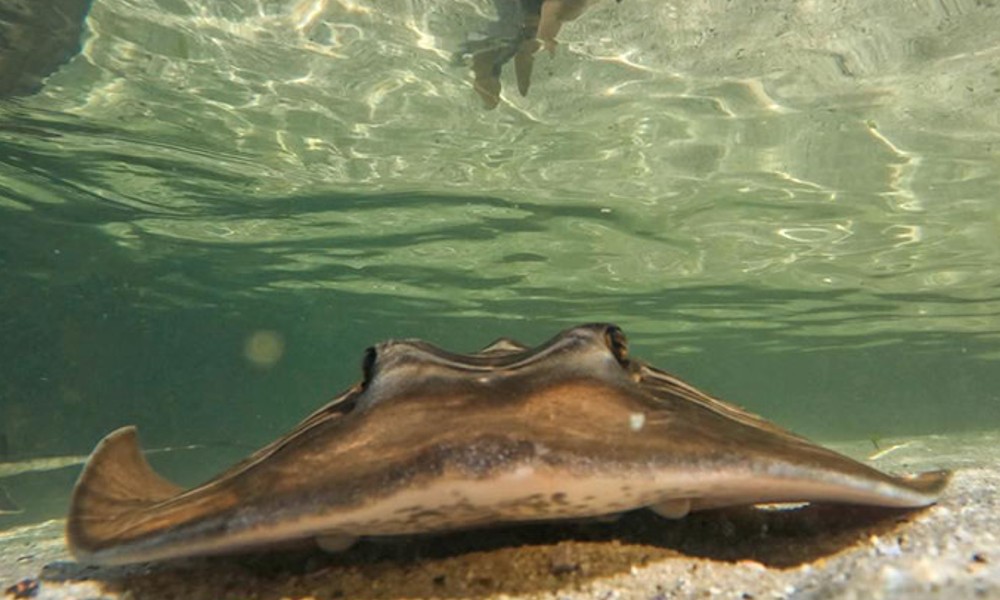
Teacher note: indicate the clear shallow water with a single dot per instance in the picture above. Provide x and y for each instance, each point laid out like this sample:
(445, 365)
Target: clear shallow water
(791, 204)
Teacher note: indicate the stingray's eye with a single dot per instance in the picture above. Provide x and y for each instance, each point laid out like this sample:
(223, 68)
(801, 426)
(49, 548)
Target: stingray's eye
(368, 365)
(618, 344)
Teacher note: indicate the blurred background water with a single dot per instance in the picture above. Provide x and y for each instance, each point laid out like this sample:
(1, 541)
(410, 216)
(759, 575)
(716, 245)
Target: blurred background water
(211, 210)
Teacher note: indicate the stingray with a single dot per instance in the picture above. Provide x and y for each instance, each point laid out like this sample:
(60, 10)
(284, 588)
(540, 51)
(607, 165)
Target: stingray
(431, 440)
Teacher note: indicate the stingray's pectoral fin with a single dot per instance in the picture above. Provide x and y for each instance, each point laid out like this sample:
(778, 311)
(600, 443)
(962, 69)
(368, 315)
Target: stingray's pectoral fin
(113, 495)
(929, 483)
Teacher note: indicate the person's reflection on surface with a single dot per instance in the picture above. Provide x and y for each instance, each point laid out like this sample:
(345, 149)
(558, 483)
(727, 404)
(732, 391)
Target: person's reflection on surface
(36, 38)
(521, 29)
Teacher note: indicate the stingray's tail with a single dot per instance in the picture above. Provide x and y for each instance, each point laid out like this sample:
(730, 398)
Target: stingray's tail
(114, 495)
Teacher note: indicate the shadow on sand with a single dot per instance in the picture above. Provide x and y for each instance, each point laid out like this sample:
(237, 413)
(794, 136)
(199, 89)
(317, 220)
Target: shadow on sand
(534, 558)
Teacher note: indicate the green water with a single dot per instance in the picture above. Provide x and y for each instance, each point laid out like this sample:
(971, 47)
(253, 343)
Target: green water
(793, 205)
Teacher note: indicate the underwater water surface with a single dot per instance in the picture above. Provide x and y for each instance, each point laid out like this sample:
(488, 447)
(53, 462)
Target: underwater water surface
(210, 210)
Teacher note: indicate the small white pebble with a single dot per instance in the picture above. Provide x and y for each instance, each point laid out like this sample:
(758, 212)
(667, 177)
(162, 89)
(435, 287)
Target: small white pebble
(885, 547)
(931, 571)
(753, 565)
(892, 578)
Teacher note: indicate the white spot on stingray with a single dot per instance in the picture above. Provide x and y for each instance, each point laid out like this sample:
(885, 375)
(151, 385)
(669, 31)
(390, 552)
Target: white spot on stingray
(522, 472)
(636, 421)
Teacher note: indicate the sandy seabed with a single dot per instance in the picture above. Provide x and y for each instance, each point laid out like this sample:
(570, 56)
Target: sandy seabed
(950, 550)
